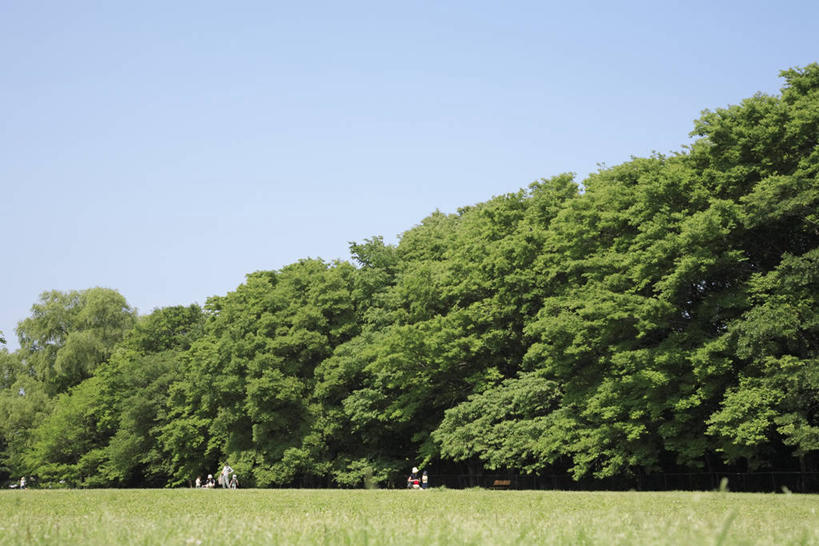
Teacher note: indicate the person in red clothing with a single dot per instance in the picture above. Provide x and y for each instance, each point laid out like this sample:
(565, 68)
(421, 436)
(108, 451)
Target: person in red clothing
(414, 481)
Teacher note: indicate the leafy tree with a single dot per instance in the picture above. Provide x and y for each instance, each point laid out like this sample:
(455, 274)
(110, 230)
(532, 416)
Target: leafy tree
(64, 446)
(245, 392)
(512, 425)
(64, 340)
(775, 398)
(665, 317)
(70, 333)
(450, 324)
(23, 406)
(102, 431)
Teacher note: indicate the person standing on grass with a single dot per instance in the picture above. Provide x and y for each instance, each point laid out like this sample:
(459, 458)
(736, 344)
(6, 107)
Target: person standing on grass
(198, 482)
(234, 482)
(224, 479)
(424, 480)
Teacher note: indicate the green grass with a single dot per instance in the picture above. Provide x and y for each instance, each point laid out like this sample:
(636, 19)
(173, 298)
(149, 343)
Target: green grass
(186, 516)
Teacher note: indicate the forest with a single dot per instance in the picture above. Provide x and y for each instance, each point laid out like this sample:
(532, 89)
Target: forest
(660, 315)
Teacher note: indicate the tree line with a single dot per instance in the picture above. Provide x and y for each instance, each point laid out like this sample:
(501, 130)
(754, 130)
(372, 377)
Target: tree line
(660, 316)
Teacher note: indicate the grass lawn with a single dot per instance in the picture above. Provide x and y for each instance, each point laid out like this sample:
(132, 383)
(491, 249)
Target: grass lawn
(255, 516)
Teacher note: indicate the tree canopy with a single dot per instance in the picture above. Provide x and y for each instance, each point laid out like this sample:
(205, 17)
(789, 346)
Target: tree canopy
(662, 315)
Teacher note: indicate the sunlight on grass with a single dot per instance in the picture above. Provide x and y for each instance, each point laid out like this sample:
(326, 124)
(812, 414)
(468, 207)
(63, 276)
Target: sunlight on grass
(404, 517)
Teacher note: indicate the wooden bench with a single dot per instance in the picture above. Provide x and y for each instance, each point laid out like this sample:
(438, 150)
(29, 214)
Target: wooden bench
(501, 484)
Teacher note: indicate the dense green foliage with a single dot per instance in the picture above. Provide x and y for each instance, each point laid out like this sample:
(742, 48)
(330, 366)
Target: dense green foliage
(663, 315)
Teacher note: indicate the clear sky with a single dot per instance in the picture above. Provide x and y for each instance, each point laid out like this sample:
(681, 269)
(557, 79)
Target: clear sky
(166, 149)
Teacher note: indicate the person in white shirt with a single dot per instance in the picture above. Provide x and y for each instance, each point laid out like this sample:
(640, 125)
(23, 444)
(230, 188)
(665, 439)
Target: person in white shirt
(224, 479)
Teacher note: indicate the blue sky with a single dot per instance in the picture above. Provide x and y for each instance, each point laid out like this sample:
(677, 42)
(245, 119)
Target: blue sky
(166, 149)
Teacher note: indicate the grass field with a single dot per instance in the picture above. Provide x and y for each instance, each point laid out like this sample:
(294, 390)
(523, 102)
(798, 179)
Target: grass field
(190, 516)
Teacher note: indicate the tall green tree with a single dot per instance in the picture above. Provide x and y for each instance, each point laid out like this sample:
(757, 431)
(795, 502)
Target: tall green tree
(70, 333)
(664, 317)
(103, 431)
(449, 325)
(653, 285)
(67, 336)
(245, 394)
